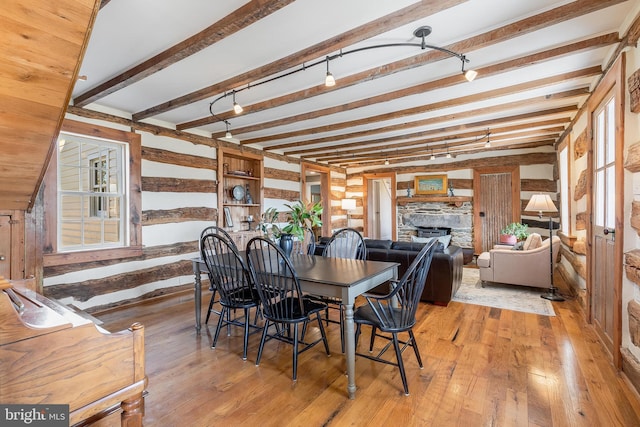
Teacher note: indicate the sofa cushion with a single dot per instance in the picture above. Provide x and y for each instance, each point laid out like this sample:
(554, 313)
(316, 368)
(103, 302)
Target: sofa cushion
(484, 259)
(533, 242)
(377, 244)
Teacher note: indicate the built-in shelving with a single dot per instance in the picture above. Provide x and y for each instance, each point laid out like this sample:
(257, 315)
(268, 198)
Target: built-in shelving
(240, 169)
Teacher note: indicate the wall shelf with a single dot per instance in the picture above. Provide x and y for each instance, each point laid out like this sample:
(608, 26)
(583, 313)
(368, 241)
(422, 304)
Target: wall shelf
(455, 200)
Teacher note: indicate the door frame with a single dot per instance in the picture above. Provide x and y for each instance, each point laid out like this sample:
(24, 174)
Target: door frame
(365, 201)
(613, 81)
(514, 170)
(325, 191)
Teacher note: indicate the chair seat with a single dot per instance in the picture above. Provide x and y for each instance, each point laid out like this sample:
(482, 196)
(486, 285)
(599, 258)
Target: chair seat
(291, 309)
(241, 298)
(366, 316)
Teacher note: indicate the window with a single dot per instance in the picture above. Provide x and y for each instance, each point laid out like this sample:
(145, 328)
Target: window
(604, 186)
(91, 196)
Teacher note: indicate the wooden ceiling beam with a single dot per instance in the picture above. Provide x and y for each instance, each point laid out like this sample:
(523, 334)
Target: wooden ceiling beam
(429, 145)
(235, 21)
(441, 140)
(407, 15)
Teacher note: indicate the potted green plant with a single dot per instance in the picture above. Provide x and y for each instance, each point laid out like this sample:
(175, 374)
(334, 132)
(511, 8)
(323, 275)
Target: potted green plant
(513, 233)
(269, 225)
(302, 216)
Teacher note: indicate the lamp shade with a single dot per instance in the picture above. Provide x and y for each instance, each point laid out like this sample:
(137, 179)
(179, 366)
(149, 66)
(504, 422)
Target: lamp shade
(541, 203)
(348, 204)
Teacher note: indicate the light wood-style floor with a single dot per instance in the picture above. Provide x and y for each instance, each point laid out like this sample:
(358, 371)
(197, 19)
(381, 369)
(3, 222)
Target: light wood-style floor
(482, 367)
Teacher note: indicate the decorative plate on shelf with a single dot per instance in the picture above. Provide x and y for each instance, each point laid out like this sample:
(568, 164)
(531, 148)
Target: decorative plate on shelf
(238, 192)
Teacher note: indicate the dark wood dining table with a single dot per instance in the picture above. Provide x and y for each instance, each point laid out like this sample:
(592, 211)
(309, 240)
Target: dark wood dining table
(332, 277)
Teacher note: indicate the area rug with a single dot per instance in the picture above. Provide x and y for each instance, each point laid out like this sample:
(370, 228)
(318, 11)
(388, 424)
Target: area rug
(516, 298)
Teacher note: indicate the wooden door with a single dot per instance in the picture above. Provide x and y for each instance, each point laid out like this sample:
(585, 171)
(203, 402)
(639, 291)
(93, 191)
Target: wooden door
(5, 246)
(496, 203)
(604, 293)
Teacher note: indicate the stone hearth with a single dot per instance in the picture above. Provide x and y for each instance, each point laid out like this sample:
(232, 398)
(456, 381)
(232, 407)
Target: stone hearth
(437, 214)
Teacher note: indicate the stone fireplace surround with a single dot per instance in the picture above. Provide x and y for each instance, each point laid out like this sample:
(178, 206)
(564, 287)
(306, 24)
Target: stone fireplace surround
(458, 217)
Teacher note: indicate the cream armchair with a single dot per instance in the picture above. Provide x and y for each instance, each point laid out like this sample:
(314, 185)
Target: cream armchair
(527, 267)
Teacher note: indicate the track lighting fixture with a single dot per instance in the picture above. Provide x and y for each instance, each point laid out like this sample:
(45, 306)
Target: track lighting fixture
(420, 32)
(237, 108)
(433, 157)
(386, 162)
(228, 134)
(329, 80)
(448, 155)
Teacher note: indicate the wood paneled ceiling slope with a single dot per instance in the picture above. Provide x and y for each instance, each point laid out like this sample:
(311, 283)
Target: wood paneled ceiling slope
(42, 46)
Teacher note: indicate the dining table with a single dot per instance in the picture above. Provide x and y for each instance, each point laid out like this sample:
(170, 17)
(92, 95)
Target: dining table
(341, 278)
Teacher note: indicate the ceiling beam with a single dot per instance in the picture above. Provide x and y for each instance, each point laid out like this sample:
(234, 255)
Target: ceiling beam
(230, 24)
(442, 135)
(409, 14)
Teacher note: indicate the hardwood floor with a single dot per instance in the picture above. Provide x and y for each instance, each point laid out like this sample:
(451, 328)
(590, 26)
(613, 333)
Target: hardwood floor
(482, 367)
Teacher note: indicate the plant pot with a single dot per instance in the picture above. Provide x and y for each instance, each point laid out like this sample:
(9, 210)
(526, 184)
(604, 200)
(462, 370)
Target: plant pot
(508, 239)
(286, 244)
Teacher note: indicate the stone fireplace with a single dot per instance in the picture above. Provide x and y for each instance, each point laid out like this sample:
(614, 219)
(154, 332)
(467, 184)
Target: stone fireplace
(440, 214)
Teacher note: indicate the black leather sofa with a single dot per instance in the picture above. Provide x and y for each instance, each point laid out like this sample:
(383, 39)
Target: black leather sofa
(445, 274)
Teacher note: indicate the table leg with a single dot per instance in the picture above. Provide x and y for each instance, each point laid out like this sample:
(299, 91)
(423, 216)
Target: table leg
(197, 293)
(350, 350)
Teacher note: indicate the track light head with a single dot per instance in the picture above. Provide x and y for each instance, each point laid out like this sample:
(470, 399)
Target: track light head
(329, 81)
(237, 108)
(470, 75)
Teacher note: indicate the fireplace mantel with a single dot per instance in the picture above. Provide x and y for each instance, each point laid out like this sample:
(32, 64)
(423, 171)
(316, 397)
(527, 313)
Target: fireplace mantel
(452, 200)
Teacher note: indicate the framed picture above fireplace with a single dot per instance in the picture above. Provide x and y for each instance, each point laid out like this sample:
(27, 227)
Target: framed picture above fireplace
(430, 184)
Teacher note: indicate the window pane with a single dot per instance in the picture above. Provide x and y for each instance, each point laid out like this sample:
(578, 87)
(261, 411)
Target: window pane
(69, 178)
(112, 231)
(92, 231)
(113, 210)
(599, 142)
(611, 198)
(611, 132)
(70, 207)
(71, 234)
(68, 152)
(599, 199)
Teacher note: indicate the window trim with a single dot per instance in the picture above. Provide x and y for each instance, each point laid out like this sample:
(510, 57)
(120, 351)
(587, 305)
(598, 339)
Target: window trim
(134, 244)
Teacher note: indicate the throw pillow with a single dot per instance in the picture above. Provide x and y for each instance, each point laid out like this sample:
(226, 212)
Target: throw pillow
(533, 241)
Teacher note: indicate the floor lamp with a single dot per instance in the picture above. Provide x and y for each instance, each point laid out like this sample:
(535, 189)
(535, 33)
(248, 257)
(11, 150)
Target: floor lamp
(543, 203)
(348, 205)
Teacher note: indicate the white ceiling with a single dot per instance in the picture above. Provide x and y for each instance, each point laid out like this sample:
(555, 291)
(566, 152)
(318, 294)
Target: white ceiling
(127, 33)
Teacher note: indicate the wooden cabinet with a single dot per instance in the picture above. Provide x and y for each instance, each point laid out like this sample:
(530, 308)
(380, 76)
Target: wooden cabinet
(240, 192)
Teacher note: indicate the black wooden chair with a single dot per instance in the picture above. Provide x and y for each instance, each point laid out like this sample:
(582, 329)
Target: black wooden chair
(391, 314)
(212, 229)
(344, 243)
(228, 270)
(283, 304)
(306, 246)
